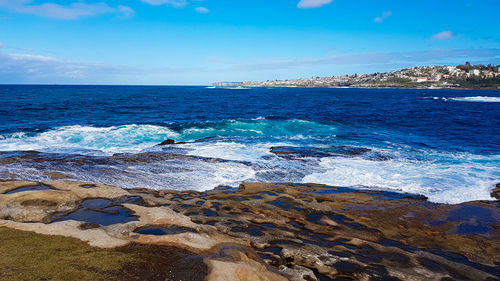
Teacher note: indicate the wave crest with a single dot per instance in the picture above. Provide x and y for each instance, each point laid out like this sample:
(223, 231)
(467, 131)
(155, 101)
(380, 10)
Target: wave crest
(477, 99)
(135, 138)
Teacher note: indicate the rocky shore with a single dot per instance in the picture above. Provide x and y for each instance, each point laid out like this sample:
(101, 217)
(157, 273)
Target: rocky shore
(261, 231)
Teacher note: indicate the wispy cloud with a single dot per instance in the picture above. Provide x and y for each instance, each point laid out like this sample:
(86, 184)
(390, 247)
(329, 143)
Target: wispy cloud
(174, 3)
(443, 35)
(444, 56)
(32, 68)
(384, 16)
(35, 67)
(70, 11)
(28, 68)
(307, 4)
(202, 10)
(8, 47)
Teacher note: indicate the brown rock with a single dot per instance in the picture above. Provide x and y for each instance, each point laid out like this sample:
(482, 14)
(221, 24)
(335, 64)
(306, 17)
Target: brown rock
(167, 142)
(241, 268)
(298, 273)
(266, 231)
(496, 192)
(276, 150)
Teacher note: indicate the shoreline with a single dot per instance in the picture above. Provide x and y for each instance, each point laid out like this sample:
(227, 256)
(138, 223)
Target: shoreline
(280, 231)
(360, 88)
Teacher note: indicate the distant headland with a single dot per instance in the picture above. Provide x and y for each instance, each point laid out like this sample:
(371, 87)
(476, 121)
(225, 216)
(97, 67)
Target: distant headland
(464, 76)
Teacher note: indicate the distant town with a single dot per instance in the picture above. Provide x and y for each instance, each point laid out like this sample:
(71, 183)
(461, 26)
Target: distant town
(460, 76)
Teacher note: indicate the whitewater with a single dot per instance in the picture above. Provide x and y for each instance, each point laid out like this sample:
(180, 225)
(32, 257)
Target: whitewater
(399, 140)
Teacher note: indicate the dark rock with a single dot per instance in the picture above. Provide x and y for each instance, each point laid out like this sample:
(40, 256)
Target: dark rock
(167, 142)
(277, 150)
(334, 151)
(205, 139)
(224, 187)
(496, 192)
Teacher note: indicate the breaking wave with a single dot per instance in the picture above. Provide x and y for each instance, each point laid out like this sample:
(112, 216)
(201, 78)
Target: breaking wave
(136, 138)
(239, 150)
(477, 99)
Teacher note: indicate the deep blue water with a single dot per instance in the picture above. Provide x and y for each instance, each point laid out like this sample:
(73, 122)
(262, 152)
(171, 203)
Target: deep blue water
(431, 142)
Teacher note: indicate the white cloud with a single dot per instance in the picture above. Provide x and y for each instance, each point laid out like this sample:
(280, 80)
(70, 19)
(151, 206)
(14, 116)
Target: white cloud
(32, 58)
(442, 35)
(384, 16)
(202, 10)
(2, 45)
(175, 3)
(306, 4)
(126, 11)
(73, 10)
(34, 69)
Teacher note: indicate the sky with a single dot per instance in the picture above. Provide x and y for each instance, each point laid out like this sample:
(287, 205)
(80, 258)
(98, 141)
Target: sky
(198, 42)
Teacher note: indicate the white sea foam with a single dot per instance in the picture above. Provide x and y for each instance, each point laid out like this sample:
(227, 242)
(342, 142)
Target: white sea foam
(443, 177)
(135, 138)
(232, 150)
(172, 174)
(441, 181)
(477, 99)
(91, 140)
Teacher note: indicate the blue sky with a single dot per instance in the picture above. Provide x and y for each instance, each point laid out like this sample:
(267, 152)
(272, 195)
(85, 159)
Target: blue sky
(197, 42)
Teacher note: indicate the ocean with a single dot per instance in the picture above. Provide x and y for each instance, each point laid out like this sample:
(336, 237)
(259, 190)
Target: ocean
(443, 144)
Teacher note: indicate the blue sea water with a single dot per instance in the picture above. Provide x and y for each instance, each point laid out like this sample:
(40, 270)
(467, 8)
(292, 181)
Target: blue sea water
(444, 144)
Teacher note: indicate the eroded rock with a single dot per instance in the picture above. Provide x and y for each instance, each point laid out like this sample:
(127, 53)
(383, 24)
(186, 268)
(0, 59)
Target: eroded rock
(167, 142)
(277, 231)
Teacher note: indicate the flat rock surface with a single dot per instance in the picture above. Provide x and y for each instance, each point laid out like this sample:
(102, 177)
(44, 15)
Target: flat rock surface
(262, 231)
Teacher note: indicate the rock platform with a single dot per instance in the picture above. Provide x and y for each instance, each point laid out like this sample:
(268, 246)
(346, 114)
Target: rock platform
(262, 231)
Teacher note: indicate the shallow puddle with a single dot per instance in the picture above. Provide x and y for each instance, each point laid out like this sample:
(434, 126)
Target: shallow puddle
(209, 213)
(97, 203)
(136, 200)
(253, 231)
(29, 188)
(108, 216)
(160, 231)
(268, 193)
(285, 204)
(474, 219)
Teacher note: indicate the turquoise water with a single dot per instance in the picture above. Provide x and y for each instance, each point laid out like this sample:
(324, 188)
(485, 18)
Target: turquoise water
(443, 144)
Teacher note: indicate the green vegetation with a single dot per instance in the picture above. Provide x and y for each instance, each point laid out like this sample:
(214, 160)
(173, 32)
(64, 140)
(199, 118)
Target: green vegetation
(468, 67)
(31, 256)
(477, 83)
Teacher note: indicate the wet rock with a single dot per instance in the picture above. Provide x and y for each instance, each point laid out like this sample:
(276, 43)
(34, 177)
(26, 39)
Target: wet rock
(266, 231)
(298, 273)
(205, 139)
(322, 262)
(496, 192)
(334, 151)
(167, 142)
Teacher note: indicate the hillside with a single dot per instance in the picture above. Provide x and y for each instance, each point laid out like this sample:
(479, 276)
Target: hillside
(460, 76)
